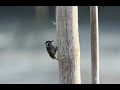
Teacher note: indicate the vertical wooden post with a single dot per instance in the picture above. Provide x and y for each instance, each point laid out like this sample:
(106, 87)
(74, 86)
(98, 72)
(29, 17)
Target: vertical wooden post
(68, 44)
(94, 44)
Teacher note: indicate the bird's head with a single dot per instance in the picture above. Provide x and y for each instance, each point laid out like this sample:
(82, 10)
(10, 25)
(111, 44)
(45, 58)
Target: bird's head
(48, 42)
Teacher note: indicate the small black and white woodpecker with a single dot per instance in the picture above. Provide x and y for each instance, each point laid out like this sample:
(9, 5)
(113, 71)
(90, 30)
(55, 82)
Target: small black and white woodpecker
(51, 49)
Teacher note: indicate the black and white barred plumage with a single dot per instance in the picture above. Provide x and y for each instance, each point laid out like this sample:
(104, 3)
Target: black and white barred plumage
(51, 49)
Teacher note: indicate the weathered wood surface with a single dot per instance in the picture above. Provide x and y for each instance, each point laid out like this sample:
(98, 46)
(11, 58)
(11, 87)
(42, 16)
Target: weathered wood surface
(68, 44)
(94, 44)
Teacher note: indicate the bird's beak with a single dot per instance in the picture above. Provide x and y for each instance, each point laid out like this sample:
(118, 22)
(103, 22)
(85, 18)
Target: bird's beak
(52, 41)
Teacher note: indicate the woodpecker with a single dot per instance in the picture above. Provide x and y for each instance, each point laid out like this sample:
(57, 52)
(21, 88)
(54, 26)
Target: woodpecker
(51, 49)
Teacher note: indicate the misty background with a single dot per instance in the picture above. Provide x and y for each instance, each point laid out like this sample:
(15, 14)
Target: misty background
(23, 56)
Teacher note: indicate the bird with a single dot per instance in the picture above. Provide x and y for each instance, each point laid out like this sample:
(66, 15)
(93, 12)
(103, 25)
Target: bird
(51, 49)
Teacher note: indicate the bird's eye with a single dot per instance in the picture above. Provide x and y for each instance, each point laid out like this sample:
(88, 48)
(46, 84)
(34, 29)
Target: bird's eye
(47, 43)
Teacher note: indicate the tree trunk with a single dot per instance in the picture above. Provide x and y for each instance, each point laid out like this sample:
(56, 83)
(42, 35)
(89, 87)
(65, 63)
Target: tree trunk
(68, 44)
